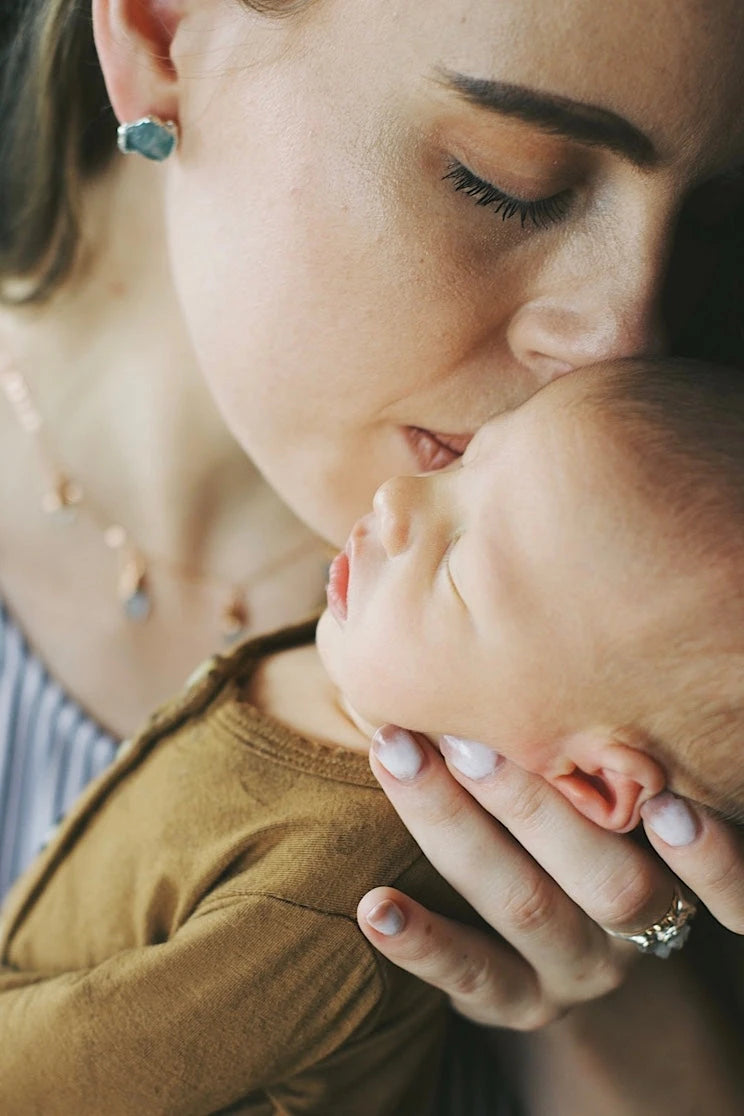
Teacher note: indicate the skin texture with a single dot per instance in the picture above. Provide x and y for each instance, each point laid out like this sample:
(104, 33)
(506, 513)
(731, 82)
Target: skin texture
(338, 289)
(369, 295)
(538, 553)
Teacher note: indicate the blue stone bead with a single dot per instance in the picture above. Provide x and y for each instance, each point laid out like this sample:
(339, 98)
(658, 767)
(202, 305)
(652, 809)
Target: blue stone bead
(149, 137)
(137, 605)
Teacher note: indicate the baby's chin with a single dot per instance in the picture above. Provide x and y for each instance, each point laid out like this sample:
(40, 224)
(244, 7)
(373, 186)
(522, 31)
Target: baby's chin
(328, 644)
(366, 727)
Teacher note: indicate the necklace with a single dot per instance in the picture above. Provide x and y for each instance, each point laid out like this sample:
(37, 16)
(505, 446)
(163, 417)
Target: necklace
(64, 500)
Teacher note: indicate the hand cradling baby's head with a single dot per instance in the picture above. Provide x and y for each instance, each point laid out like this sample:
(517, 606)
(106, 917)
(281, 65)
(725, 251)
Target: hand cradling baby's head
(570, 593)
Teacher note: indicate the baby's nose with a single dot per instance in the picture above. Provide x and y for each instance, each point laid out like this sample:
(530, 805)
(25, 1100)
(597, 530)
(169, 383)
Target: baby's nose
(393, 506)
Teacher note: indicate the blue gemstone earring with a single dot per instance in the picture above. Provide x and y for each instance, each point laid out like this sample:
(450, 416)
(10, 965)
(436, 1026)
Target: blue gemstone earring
(152, 137)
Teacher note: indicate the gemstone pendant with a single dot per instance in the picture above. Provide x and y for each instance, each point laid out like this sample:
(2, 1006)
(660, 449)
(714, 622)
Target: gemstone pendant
(234, 618)
(138, 605)
(133, 590)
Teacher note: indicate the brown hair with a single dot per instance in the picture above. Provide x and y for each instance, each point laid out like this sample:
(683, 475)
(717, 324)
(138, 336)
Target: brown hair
(57, 131)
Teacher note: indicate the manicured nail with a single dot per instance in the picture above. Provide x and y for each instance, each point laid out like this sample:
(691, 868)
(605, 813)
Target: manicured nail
(386, 918)
(470, 757)
(398, 752)
(671, 819)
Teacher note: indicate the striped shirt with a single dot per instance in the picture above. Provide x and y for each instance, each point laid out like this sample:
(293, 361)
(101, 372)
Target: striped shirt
(49, 750)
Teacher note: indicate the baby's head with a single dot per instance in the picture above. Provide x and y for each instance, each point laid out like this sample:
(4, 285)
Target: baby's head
(571, 592)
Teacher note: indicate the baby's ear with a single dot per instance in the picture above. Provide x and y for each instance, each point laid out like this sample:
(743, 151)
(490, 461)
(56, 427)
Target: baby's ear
(607, 777)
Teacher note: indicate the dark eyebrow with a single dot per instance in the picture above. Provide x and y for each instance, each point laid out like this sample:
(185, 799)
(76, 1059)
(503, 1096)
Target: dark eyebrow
(575, 120)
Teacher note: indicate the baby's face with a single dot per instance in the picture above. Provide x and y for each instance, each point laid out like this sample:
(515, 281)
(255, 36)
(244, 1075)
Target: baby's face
(478, 600)
(495, 600)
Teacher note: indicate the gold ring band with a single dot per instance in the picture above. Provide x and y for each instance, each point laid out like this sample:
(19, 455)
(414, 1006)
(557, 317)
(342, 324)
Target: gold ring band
(670, 932)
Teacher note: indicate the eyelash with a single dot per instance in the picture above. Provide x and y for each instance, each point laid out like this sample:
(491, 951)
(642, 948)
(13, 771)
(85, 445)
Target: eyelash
(541, 212)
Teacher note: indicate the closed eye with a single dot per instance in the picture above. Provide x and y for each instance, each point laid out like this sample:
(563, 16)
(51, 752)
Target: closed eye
(540, 212)
(447, 565)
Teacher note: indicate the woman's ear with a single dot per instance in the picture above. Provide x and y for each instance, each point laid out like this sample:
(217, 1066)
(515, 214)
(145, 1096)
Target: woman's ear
(608, 779)
(134, 40)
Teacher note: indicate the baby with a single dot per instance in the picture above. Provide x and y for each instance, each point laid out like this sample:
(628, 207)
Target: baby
(571, 593)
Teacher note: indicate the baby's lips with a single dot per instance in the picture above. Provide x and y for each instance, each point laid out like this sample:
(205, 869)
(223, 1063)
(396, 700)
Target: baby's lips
(338, 586)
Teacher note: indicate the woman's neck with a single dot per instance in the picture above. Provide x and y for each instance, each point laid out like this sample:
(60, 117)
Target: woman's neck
(126, 415)
(111, 370)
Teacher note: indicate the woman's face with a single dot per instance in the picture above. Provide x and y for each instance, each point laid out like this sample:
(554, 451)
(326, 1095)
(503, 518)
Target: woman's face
(389, 221)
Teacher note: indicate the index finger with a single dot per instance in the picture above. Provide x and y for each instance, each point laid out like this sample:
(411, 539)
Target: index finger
(505, 884)
(619, 885)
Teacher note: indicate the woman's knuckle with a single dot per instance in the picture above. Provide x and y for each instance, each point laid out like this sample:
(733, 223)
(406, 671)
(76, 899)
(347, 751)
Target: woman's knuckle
(473, 979)
(606, 976)
(449, 812)
(624, 904)
(417, 950)
(539, 1015)
(530, 906)
(613, 976)
(526, 805)
(599, 970)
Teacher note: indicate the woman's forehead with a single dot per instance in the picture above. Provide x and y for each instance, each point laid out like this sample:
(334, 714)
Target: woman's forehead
(549, 36)
(674, 69)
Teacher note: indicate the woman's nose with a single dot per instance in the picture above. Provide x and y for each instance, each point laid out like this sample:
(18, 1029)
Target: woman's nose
(394, 504)
(603, 303)
(561, 339)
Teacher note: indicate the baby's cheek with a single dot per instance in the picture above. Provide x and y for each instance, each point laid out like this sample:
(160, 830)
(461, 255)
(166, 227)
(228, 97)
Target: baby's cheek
(389, 696)
(329, 641)
(376, 691)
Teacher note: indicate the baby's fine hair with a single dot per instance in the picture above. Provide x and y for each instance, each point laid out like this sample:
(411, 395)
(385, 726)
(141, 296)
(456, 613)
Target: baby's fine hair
(685, 421)
(678, 426)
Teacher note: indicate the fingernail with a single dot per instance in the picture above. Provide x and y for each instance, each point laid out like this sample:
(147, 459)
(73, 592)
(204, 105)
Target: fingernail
(470, 757)
(671, 819)
(398, 752)
(386, 918)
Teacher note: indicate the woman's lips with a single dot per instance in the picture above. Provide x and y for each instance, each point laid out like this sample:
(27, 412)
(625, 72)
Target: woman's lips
(435, 451)
(338, 586)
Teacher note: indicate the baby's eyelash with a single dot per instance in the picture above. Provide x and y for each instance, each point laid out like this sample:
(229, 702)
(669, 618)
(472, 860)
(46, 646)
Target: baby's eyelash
(541, 212)
(446, 563)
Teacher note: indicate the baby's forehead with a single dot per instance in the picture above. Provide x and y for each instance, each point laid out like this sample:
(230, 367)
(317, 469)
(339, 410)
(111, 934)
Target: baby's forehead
(527, 422)
(560, 426)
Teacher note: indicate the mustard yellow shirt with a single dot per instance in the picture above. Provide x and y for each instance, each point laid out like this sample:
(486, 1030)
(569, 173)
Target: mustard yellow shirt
(187, 943)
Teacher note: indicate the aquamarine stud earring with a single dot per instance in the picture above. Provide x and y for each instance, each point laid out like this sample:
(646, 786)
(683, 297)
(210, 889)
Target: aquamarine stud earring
(152, 137)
